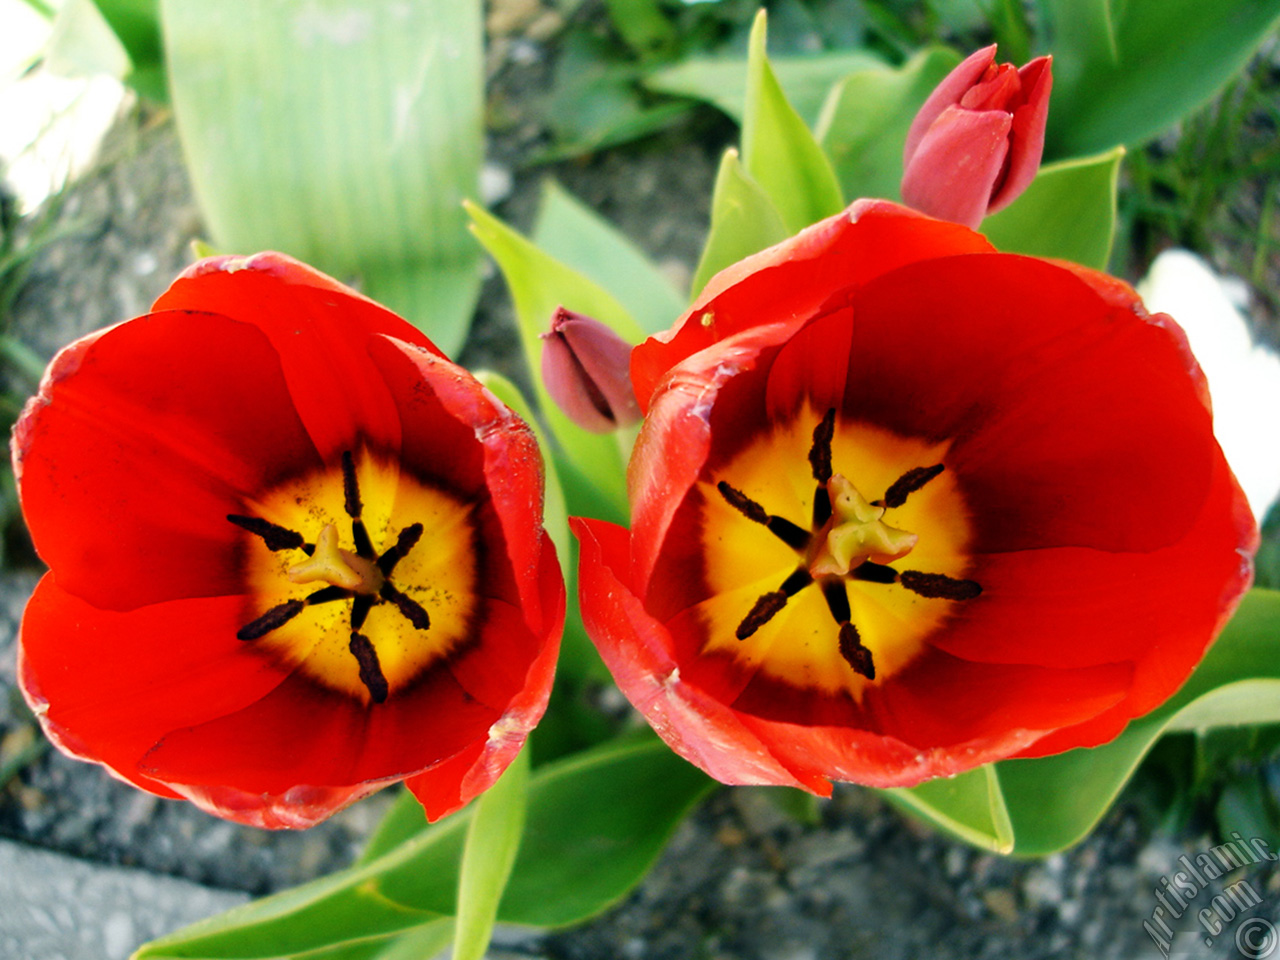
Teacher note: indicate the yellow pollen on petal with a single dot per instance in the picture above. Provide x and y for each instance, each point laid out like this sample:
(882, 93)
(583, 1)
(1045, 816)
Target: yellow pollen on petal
(799, 645)
(856, 532)
(435, 582)
(337, 567)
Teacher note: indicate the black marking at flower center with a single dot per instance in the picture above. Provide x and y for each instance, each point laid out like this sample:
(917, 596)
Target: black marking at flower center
(277, 538)
(807, 543)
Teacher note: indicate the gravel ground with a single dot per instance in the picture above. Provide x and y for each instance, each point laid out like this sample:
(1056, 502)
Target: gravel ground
(741, 881)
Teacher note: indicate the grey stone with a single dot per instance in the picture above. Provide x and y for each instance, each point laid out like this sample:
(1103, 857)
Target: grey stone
(55, 907)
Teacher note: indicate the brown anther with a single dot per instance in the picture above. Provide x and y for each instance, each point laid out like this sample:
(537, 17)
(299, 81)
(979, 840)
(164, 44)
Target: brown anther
(820, 452)
(414, 612)
(273, 535)
(909, 483)
(350, 489)
(854, 653)
(274, 618)
(743, 504)
(361, 648)
(937, 586)
(764, 610)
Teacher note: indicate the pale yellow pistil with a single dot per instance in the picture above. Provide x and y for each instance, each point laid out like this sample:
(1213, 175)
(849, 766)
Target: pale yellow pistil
(341, 568)
(855, 533)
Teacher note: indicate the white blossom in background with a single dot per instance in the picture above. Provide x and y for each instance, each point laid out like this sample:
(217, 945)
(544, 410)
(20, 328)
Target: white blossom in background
(53, 118)
(1244, 377)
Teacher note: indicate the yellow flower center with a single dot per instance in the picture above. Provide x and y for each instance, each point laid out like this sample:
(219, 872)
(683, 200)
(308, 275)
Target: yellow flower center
(386, 588)
(779, 521)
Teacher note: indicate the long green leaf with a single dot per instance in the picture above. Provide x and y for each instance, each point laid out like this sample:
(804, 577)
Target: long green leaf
(1125, 71)
(721, 81)
(778, 150)
(580, 238)
(344, 134)
(539, 284)
(1054, 802)
(595, 824)
(493, 837)
(863, 125)
(743, 221)
(1069, 212)
(137, 25)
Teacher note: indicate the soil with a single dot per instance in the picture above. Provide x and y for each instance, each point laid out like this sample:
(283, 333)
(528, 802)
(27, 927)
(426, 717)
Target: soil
(741, 880)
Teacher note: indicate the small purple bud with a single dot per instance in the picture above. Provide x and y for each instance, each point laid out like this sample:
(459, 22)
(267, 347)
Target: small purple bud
(587, 370)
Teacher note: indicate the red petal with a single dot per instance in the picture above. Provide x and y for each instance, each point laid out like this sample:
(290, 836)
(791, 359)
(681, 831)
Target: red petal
(108, 686)
(304, 734)
(429, 392)
(958, 163)
(948, 93)
(296, 809)
(142, 439)
(637, 650)
(450, 785)
(1026, 139)
(321, 330)
(794, 279)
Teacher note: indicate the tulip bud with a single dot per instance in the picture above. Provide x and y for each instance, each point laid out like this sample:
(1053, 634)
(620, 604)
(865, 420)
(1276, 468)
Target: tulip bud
(976, 143)
(587, 370)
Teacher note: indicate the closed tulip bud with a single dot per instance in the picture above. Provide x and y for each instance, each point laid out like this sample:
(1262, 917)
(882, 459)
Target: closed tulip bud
(976, 143)
(586, 369)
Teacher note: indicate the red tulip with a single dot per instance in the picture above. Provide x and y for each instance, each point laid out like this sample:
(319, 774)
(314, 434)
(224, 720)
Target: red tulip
(902, 505)
(976, 143)
(295, 553)
(584, 367)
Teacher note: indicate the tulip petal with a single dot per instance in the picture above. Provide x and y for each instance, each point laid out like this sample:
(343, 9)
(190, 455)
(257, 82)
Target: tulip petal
(946, 94)
(320, 330)
(636, 648)
(1026, 138)
(107, 685)
(957, 164)
(792, 280)
(163, 418)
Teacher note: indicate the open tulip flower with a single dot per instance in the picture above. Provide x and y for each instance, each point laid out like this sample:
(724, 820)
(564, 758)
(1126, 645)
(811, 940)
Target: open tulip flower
(295, 553)
(903, 505)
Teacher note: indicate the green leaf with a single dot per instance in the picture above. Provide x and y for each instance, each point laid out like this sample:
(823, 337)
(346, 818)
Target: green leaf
(580, 238)
(344, 135)
(863, 125)
(493, 837)
(595, 824)
(777, 148)
(137, 25)
(743, 221)
(1123, 72)
(1069, 212)
(721, 81)
(969, 806)
(540, 284)
(1053, 802)
(642, 25)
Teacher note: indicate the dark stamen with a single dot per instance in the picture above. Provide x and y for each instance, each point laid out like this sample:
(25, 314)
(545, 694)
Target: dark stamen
(854, 653)
(874, 573)
(360, 608)
(909, 483)
(276, 617)
(938, 586)
(795, 537)
(364, 548)
(821, 507)
(404, 543)
(764, 610)
(275, 536)
(797, 581)
(327, 595)
(370, 670)
(820, 452)
(837, 598)
(743, 504)
(414, 612)
(350, 490)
